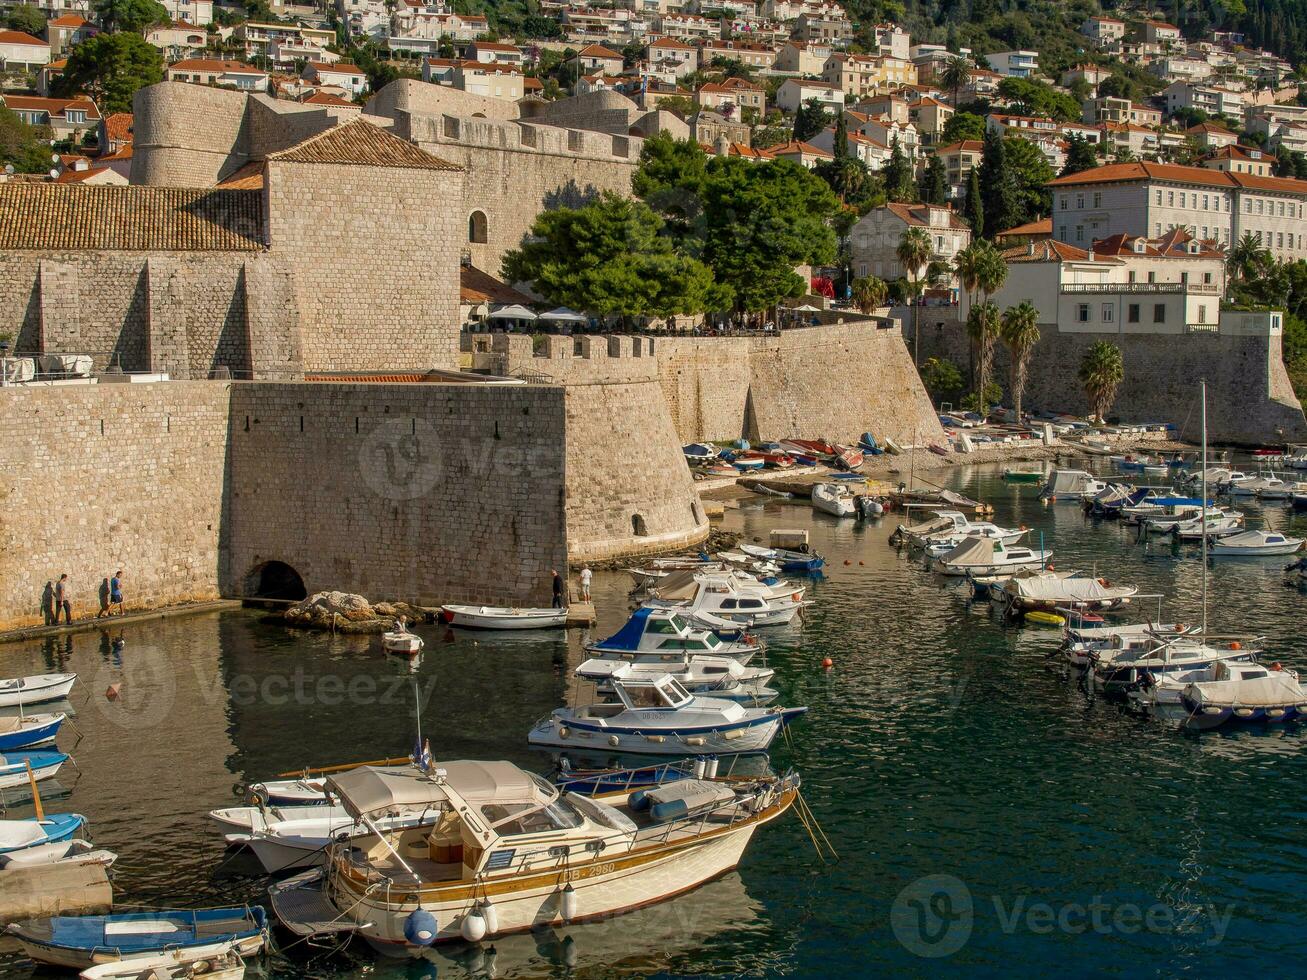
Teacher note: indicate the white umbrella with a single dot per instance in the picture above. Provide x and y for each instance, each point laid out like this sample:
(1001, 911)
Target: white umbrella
(805, 308)
(514, 312)
(564, 315)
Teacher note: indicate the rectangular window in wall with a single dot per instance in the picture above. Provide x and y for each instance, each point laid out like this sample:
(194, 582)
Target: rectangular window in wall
(1082, 313)
(1159, 197)
(1132, 313)
(1279, 239)
(1098, 199)
(1080, 202)
(1080, 233)
(1170, 199)
(1159, 312)
(1202, 313)
(1207, 278)
(1107, 312)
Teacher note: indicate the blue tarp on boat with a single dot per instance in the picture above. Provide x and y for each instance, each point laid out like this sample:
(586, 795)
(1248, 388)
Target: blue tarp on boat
(628, 637)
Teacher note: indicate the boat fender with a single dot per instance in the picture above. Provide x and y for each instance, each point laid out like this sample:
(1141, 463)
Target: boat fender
(473, 928)
(710, 770)
(564, 731)
(650, 738)
(1274, 712)
(1276, 666)
(639, 800)
(420, 927)
(1236, 645)
(1244, 712)
(695, 740)
(567, 903)
(671, 810)
(614, 740)
(699, 765)
(796, 597)
(491, 916)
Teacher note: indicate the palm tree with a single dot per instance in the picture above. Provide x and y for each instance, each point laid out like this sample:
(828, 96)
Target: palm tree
(1101, 372)
(955, 74)
(869, 293)
(991, 269)
(965, 265)
(914, 252)
(983, 327)
(1248, 257)
(1020, 334)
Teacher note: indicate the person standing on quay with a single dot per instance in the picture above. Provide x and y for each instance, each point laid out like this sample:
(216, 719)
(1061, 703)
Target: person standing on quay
(558, 589)
(116, 591)
(104, 598)
(586, 576)
(61, 600)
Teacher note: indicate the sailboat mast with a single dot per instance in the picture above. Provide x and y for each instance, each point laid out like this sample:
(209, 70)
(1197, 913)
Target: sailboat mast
(1202, 509)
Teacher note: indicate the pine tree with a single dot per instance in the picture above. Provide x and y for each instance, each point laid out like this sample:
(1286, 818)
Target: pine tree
(841, 147)
(1080, 156)
(897, 175)
(973, 207)
(998, 187)
(934, 182)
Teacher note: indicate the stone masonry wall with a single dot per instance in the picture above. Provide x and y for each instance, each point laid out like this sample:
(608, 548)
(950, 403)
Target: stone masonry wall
(103, 477)
(415, 491)
(187, 135)
(186, 313)
(374, 252)
(1249, 398)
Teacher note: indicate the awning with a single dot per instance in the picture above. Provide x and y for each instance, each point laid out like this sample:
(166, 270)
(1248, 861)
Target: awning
(370, 789)
(564, 315)
(514, 312)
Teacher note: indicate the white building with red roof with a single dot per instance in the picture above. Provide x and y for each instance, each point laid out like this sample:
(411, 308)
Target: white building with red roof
(22, 52)
(223, 74)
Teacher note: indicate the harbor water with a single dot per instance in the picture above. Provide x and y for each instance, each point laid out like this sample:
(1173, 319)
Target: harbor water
(990, 817)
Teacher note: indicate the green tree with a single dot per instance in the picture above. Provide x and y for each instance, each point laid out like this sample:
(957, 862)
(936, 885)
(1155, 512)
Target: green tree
(130, 15)
(670, 180)
(110, 68)
(760, 221)
(1038, 99)
(840, 142)
(998, 189)
(934, 182)
(963, 126)
(869, 293)
(1118, 86)
(973, 205)
(610, 257)
(914, 253)
(956, 75)
(1030, 172)
(26, 147)
(810, 120)
(1020, 334)
(897, 175)
(942, 379)
(1101, 372)
(1080, 156)
(25, 18)
(1248, 258)
(983, 327)
(852, 182)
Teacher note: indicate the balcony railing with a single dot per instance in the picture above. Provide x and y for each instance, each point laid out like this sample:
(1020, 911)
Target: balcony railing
(1202, 328)
(1205, 289)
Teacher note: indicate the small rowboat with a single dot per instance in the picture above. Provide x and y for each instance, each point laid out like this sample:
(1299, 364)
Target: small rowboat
(401, 641)
(65, 852)
(35, 689)
(1022, 476)
(503, 617)
(171, 966)
(14, 767)
(18, 835)
(77, 942)
(29, 730)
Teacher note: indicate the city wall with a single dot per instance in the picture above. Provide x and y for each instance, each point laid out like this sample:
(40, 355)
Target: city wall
(1249, 398)
(834, 381)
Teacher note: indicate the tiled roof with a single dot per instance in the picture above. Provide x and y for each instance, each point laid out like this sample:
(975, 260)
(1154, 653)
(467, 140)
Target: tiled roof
(215, 65)
(18, 37)
(246, 178)
(1045, 251)
(56, 107)
(1041, 226)
(340, 68)
(599, 51)
(918, 215)
(475, 286)
(964, 146)
(66, 20)
(1174, 173)
(359, 142)
(62, 216)
(118, 126)
(326, 98)
(797, 146)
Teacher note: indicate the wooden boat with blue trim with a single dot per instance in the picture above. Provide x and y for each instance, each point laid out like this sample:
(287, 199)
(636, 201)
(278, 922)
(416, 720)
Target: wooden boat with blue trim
(502, 850)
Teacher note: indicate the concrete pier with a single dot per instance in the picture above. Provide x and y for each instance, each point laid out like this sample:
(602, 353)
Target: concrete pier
(54, 889)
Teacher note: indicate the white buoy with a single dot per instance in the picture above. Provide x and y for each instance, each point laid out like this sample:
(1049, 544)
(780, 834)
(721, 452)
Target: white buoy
(491, 915)
(473, 928)
(710, 768)
(699, 766)
(567, 903)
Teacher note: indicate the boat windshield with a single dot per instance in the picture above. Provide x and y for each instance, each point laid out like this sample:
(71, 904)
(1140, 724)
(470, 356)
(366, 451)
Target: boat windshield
(673, 692)
(711, 641)
(667, 625)
(512, 819)
(678, 624)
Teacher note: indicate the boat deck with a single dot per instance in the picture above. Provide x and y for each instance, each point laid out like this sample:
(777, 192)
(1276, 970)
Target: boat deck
(305, 910)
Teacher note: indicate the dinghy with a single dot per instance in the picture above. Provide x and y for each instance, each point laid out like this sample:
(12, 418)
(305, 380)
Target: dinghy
(25, 731)
(244, 819)
(401, 641)
(171, 966)
(1221, 527)
(14, 769)
(76, 942)
(715, 677)
(289, 792)
(666, 636)
(1255, 544)
(18, 691)
(659, 717)
(788, 559)
(17, 835)
(700, 452)
(65, 852)
(833, 499)
(503, 618)
(1012, 475)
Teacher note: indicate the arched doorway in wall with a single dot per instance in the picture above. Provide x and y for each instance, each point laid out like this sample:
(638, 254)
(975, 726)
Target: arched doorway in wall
(275, 580)
(477, 230)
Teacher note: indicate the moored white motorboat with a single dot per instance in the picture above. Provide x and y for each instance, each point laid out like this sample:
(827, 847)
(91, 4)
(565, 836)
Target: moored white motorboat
(834, 499)
(35, 689)
(1116, 674)
(667, 636)
(1051, 592)
(1071, 485)
(17, 768)
(733, 596)
(301, 842)
(1255, 485)
(504, 851)
(1223, 526)
(244, 819)
(503, 617)
(1237, 694)
(657, 716)
(304, 791)
(1255, 544)
(945, 541)
(986, 556)
(789, 559)
(715, 677)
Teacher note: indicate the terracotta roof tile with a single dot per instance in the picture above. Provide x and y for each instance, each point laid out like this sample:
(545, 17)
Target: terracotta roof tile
(475, 286)
(118, 126)
(1041, 226)
(61, 216)
(246, 178)
(359, 142)
(916, 215)
(1203, 176)
(56, 107)
(18, 37)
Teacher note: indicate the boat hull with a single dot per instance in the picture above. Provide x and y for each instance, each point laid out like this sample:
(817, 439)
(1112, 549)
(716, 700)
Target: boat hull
(736, 739)
(38, 730)
(54, 687)
(1207, 716)
(488, 619)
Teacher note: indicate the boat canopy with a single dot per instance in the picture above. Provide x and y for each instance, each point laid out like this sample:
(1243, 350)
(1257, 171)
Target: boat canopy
(682, 585)
(374, 789)
(1056, 588)
(973, 551)
(628, 637)
(1275, 688)
(1068, 481)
